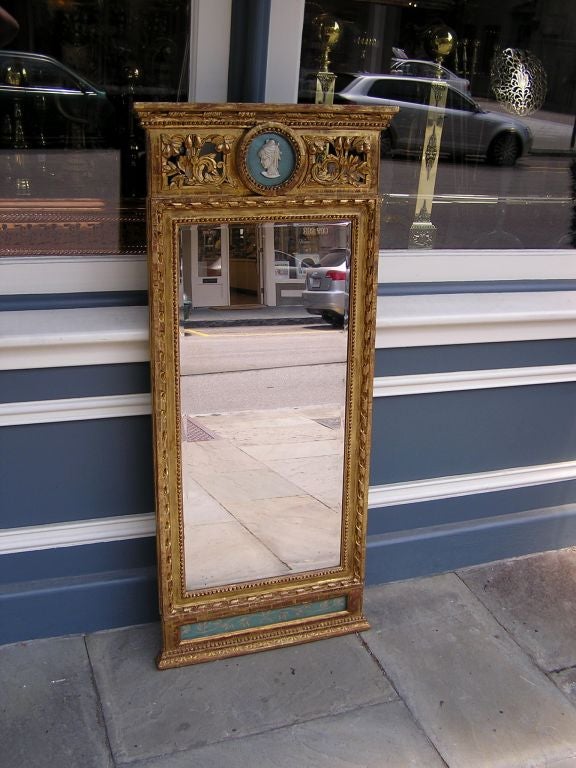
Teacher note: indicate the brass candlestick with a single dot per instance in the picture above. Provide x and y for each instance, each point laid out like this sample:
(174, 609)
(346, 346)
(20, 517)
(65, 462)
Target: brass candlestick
(329, 31)
(439, 41)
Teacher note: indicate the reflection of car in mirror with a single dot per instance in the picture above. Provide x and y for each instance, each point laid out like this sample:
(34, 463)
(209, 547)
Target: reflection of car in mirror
(43, 104)
(326, 290)
(296, 264)
(429, 70)
(467, 128)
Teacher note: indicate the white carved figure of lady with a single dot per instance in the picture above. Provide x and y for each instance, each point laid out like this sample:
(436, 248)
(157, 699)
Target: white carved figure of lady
(270, 156)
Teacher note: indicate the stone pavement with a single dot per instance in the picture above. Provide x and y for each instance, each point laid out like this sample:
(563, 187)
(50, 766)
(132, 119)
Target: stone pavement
(473, 669)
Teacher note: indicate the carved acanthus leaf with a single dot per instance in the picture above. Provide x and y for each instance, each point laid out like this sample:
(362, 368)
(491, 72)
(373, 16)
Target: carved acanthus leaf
(339, 160)
(194, 160)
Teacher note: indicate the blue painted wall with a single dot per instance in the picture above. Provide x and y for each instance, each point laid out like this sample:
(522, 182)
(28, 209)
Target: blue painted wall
(76, 470)
(453, 433)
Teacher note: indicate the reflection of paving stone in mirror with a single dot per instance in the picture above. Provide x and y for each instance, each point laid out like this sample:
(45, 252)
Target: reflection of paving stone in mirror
(331, 423)
(199, 507)
(217, 456)
(264, 426)
(226, 553)
(302, 532)
(192, 431)
(321, 478)
(229, 487)
(263, 497)
(308, 450)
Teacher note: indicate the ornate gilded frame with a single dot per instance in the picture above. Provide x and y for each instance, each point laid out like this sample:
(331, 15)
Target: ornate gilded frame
(199, 173)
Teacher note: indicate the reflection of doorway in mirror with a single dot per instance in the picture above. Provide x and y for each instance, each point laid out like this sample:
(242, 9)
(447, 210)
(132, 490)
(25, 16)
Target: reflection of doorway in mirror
(263, 416)
(204, 280)
(220, 266)
(245, 250)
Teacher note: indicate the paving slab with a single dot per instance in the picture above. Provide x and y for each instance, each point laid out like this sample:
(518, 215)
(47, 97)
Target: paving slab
(380, 736)
(49, 709)
(534, 598)
(566, 681)
(150, 713)
(480, 699)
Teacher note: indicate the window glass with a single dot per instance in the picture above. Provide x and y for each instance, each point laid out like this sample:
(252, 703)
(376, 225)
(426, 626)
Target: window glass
(454, 100)
(507, 171)
(72, 155)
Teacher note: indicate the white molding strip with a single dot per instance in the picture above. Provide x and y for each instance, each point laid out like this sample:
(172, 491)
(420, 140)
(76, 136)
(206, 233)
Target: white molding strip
(473, 318)
(75, 409)
(409, 266)
(54, 338)
(72, 274)
(78, 533)
(431, 489)
(459, 381)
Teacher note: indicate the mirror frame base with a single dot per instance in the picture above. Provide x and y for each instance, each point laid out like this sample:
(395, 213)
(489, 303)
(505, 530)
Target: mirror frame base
(178, 652)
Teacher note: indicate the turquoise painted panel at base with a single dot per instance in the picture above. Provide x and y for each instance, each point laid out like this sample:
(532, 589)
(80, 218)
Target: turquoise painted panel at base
(261, 619)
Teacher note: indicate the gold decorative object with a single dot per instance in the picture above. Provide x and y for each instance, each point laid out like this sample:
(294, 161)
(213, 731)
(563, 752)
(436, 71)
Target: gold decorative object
(189, 161)
(329, 31)
(518, 81)
(267, 563)
(341, 160)
(439, 41)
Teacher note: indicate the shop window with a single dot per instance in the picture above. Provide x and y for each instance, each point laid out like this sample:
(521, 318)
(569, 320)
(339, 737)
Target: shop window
(72, 156)
(505, 134)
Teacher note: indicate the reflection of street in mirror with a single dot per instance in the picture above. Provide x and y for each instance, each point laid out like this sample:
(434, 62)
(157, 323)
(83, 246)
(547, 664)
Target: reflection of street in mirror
(262, 393)
(262, 449)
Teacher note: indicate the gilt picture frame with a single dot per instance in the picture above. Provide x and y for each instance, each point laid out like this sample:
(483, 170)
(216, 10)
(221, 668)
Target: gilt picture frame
(294, 569)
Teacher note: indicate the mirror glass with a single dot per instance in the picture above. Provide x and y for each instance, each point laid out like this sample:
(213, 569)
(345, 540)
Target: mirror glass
(263, 348)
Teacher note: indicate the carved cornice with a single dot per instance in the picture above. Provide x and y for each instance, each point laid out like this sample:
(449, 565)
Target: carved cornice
(167, 115)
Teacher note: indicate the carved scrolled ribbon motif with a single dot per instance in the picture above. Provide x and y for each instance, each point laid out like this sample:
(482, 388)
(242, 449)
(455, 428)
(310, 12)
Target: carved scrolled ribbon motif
(195, 160)
(339, 160)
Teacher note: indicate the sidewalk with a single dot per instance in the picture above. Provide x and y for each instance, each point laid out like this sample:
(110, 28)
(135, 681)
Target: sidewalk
(474, 669)
(219, 317)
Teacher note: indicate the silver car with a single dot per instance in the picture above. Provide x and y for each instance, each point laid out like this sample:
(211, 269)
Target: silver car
(429, 71)
(468, 129)
(326, 289)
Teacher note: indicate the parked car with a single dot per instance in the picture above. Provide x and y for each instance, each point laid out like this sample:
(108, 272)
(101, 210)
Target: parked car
(43, 104)
(326, 289)
(429, 70)
(468, 129)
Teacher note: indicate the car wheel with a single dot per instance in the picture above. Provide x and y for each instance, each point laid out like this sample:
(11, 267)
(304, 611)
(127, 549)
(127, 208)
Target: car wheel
(504, 150)
(336, 321)
(386, 144)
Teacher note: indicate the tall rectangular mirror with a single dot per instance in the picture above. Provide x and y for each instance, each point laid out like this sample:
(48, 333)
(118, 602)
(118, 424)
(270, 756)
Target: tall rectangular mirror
(262, 398)
(262, 296)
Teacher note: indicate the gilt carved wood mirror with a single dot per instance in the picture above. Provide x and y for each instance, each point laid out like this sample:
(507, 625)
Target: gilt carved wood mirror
(263, 223)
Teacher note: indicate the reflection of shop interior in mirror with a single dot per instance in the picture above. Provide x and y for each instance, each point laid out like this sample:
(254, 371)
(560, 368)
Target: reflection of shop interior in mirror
(235, 265)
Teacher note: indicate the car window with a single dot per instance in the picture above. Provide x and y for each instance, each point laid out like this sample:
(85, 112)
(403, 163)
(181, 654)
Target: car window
(334, 258)
(399, 90)
(342, 81)
(422, 70)
(36, 73)
(455, 100)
